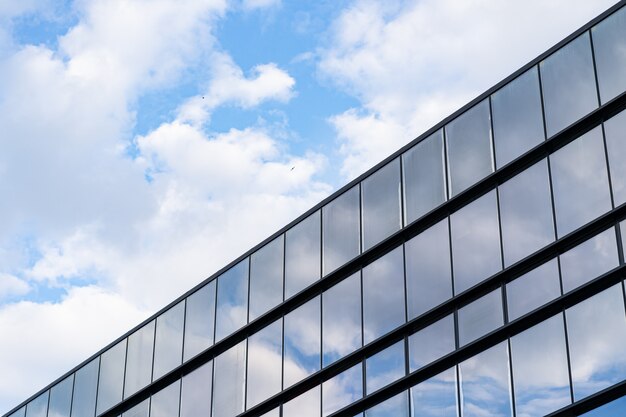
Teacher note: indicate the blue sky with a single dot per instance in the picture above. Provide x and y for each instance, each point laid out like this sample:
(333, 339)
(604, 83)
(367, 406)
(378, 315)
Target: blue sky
(147, 143)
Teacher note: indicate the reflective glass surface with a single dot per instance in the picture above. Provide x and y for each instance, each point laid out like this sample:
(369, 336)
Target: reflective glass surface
(341, 319)
(480, 317)
(38, 407)
(19, 413)
(612, 409)
(615, 130)
(569, 85)
(485, 383)
(229, 382)
(342, 390)
(84, 397)
(381, 204)
(61, 398)
(264, 363)
(526, 213)
(111, 379)
(517, 117)
(431, 343)
(384, 367)
(232, 300)
(303, 254)
(475, 242)
(397, 406)
(139, 359)
(533, 289)
(168, 345)
(589, 260)
(596, 330)
(540, 374)
(304, 405)
(140, 410)
(341, 230)
(580, 182)
(303, 332)
(435, 397)
(383, 295)
(199, 320)
(196, 392)
(274, 413)
(428, 271)
(266, 278)
(165, 403)
(424, 177)
(469, 148)
(609, 44)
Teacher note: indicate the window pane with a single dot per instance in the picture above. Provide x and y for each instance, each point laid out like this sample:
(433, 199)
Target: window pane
(397, 406)
(266, 278)
(264, 363)
(526, 210)
(232, 300)
(196, 392)
(341, 319)
(469, 148)
(428, 271)
(614, 408)
(38, 407)
(341, 230)
(485, 384)
(533, 289)
(435, 397)
(475, 242)
(383, 295)
(589, 260)
(274, 413)
(199, 320)
(480, 317)
(569, 86)
(111, 380)
(305, 405)
(139, 359)
(303, 332)
(140, 410)
(609, 44)
(229, 382)
(19, 413)
(342, 390)
(424, 177)
(384, 367)
(580, 182)
(540, 375)
(61, 398)
(84, 399)
(168, 346)
(596, 330)
(165, 402)
(302, 259)
(431, 343)
(615, 130)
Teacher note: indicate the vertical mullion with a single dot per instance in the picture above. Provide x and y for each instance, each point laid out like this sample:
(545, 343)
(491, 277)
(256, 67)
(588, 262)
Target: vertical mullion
(620, 243)
(608, 165)
(569, 365)
(48, 402)
(154, 336)
(595, 70)
(95, 406)
(511, 380)
(72, 396)
(492, 140)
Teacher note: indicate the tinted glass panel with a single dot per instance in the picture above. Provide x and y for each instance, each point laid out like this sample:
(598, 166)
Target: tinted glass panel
(196, 392)
(475, 242)
(580, 182)
(526, 210)
(589, 260)
(596, 330)
(431, 343)
(111, 380)
(341, 319)
(341, 230)
(384, 367)
(168, 346)
(61, 398)
(303, 259)
(480, 317)
(232, 300)
(383, 295)
(381, 204)
(139, 359)
(517, 118)
(19, 413)
(38, 407)
(428, 272)
(264, 363)
(303, 332)
(140, 410)
(84, 399)
(305, 405)
(609, 43)
(199, 320)
(342, 390)
(274, 413)
(229, 382)
(424, 177)
(435, 397)
(469, 148)
(569, 86)
(165, 402)
(485, 386)
(266, 278)
(615, 130)
(612, 409)
(540, 375)
(533, 289)
(394, 406)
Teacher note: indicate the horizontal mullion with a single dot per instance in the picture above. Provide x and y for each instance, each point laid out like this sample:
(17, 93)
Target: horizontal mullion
(593, 401)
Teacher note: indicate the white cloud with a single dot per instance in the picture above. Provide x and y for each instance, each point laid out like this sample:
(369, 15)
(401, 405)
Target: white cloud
(260, 4)
(12, 286)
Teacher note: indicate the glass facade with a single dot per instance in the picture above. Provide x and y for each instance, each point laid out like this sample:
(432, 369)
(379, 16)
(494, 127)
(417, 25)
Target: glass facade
(477, 272)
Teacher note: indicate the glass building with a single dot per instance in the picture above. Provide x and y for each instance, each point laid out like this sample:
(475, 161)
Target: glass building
(478, 271)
